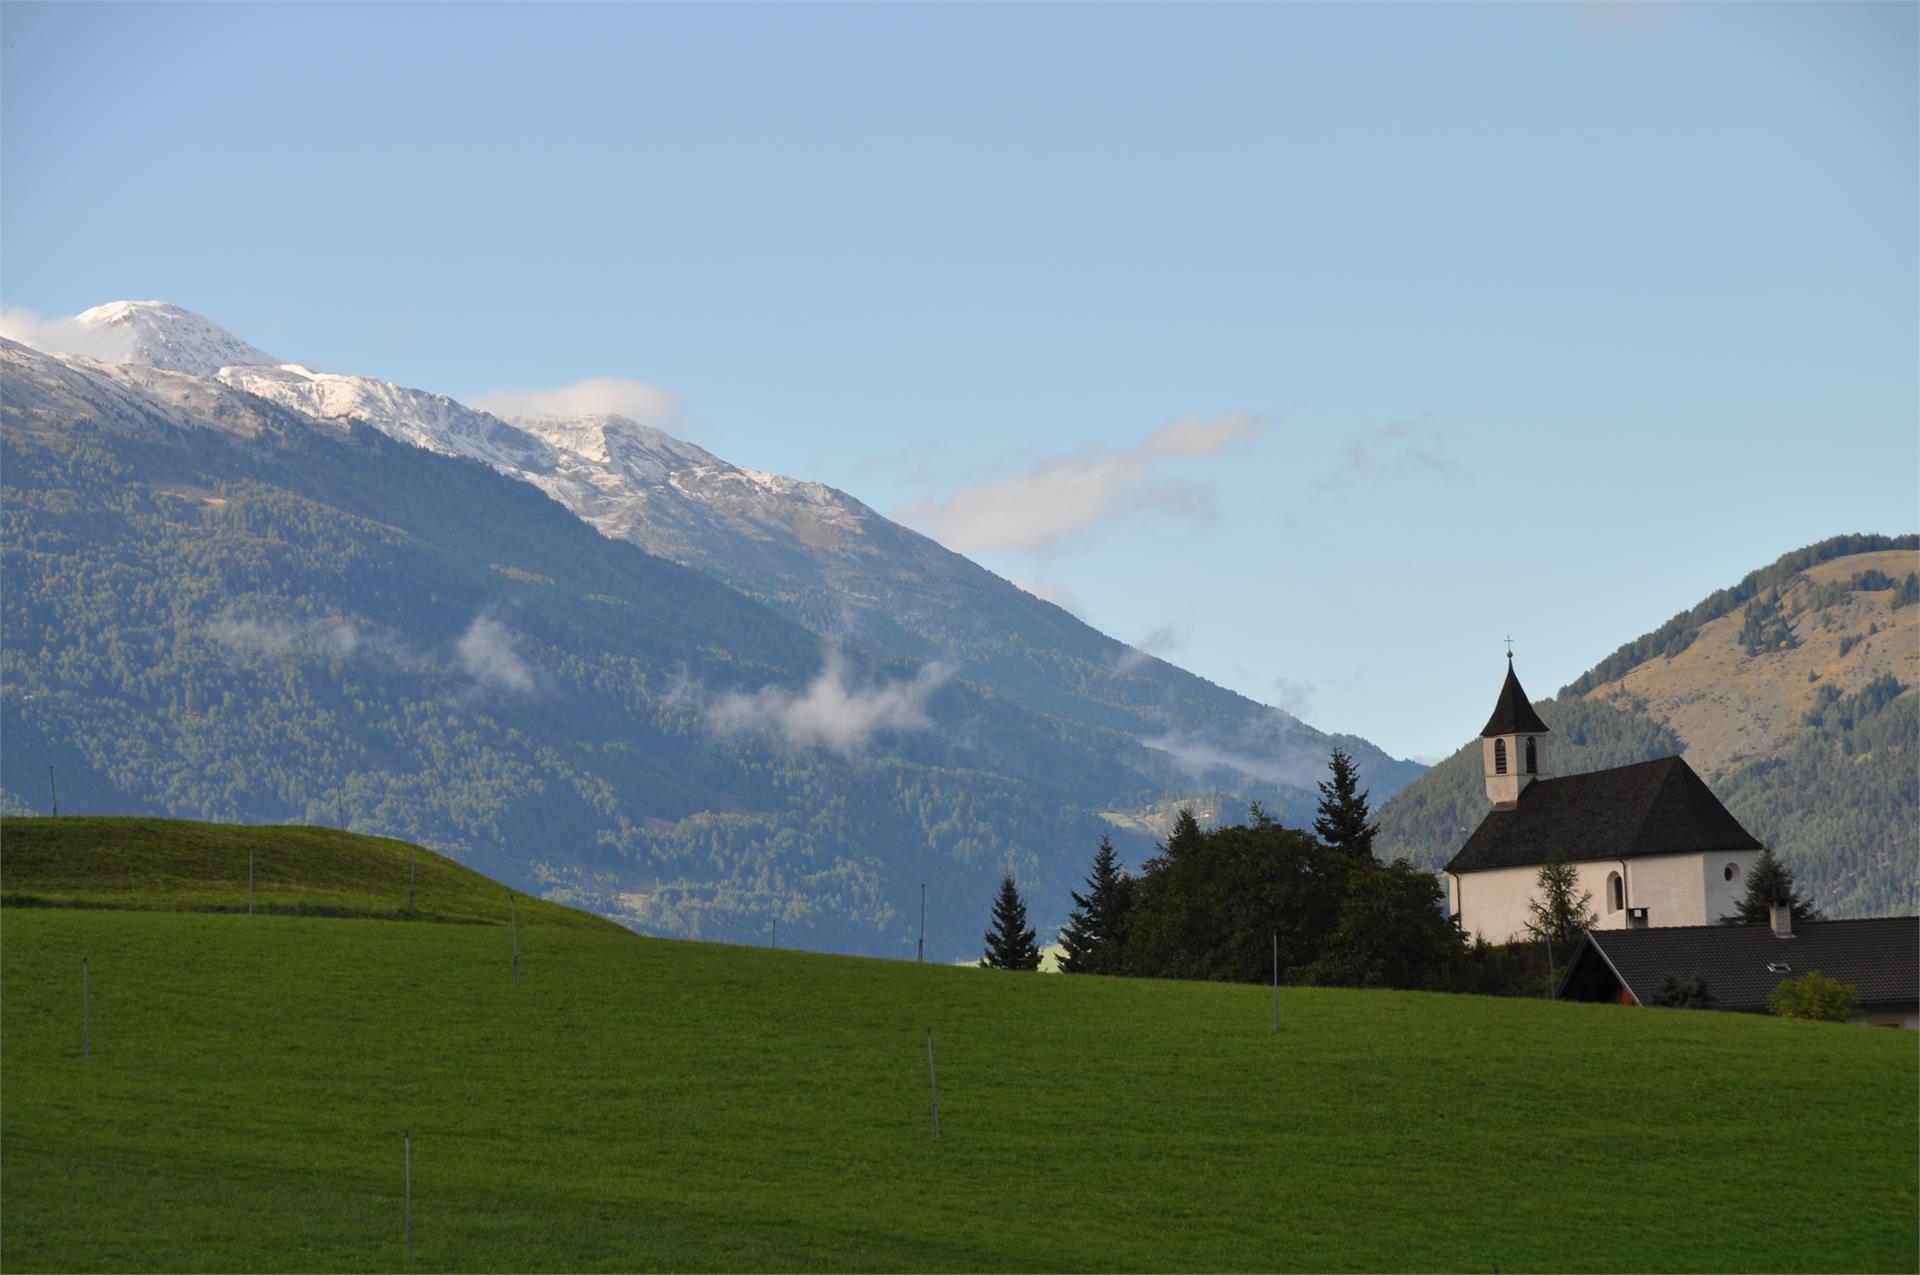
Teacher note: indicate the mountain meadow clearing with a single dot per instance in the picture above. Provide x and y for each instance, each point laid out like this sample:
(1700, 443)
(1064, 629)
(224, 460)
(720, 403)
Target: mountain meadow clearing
(250, 1084)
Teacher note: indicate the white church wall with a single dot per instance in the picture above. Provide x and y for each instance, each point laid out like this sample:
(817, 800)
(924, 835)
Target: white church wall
(1676, 889)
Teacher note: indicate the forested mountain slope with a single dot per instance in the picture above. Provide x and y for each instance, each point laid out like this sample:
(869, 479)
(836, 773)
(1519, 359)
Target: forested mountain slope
(230, 610)
(1792, 693)
(816, 554)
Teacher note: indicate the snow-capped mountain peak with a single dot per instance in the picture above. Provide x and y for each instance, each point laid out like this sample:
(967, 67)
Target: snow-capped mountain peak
(162, 335)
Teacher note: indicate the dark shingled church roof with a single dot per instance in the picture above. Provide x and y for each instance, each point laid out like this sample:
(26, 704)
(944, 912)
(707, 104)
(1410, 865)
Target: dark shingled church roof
(1876, 956)
(1514, 713)
(1650, 807)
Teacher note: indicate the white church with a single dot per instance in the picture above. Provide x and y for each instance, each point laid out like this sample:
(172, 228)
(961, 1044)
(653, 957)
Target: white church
(1650, 841)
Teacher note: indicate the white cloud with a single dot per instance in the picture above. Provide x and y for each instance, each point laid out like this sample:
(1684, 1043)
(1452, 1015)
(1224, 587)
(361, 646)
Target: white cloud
(1200, 757)
(830, 712)
(596, 396)
(337, 639)
(487, 655)
(1062, 497)
(65, 336)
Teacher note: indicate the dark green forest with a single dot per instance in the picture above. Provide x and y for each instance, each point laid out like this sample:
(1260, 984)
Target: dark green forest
(303, 628)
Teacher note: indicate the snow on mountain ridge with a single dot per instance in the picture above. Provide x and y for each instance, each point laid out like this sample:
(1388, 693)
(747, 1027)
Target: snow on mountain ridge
(161, 335)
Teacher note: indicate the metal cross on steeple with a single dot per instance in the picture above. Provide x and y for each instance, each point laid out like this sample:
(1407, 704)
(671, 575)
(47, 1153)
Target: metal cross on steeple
(1509, 648)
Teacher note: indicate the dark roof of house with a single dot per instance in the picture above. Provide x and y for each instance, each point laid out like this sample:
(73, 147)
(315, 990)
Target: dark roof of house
(1879, 957)
(1650, 807)
(1513, 714)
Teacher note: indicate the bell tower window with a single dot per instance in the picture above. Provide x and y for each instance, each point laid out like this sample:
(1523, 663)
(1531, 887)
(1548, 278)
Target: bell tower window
(1533, 758)
(1499, 756)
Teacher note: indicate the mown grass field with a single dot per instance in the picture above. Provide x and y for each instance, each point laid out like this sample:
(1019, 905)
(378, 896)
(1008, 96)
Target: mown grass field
(639, 1104)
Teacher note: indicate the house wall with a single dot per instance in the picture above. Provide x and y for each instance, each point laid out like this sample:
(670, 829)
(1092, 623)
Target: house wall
(1676, 889)
(1906, 1016)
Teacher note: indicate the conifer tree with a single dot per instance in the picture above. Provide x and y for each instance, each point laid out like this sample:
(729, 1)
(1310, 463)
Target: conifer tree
(1343, 818)
(1185, 835)
(1556, 914)
(1095, 933)
(1769, 882)
(1010, 944)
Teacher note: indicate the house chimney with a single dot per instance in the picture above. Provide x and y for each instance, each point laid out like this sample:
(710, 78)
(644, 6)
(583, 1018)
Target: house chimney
(1636, 918)
(1782, 916)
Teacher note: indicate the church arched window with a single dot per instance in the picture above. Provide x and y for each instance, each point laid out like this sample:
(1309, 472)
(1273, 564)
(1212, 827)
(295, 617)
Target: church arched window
(1499, 756)
(1533, 758)
(1616, 892)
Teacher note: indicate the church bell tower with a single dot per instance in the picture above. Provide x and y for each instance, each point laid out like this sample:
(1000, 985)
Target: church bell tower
(1513, 747)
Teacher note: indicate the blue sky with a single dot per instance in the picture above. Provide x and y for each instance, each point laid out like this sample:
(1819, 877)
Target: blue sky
(1319, 347)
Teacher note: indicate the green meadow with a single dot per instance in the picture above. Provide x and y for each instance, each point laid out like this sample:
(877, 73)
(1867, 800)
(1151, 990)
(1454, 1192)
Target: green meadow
(640, 1104)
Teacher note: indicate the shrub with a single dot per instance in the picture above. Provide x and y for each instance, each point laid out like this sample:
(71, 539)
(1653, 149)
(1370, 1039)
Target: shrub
(1814, 995)
(1682, 993)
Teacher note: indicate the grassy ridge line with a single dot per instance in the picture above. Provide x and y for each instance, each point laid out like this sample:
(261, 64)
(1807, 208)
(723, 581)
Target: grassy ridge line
(641, 1104)
(177, 865)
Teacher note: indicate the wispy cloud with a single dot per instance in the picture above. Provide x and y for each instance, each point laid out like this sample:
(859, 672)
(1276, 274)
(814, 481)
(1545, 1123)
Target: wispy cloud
(1062, 497)
(1621, 19)
(1159, 642)
(65, 336)
(912, 458)
(1051, 590)
(1202, 758)
(831, 712)
(1410, 447)
(487, 654)
(276, 639)
(1293, 698)
(595, 396)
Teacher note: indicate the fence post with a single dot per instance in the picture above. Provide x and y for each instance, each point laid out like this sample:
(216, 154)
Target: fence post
(920, 952)
(249, 880)
(513, 912)
(410, 855)
(408, 1152)
(1276, 980)
(933, 1082)
(86, 1024)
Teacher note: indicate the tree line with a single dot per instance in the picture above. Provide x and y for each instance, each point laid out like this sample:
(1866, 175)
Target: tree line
(1254, 901)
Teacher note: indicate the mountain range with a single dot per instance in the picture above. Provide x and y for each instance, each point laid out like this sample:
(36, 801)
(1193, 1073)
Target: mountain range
(593, 657)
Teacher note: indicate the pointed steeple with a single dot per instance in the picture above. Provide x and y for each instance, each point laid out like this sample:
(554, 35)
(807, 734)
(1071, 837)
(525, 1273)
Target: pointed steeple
(1513, 713)
(1513, 747)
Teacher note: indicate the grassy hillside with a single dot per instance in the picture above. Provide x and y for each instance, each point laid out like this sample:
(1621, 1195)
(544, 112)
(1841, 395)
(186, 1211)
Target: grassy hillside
(175, 865)
(1794, 695)
(644, 1104)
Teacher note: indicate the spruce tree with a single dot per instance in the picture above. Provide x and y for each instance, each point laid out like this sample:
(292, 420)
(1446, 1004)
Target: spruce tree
(1769, 882)
(1185, 835)
(1010, 944)
(1343, 819)
(1557, 916)
(1096, 930)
